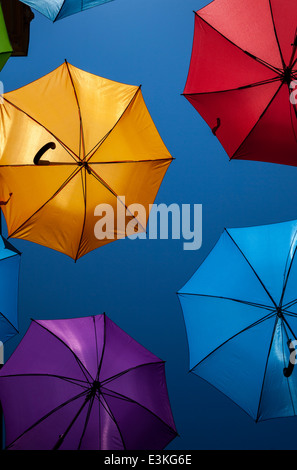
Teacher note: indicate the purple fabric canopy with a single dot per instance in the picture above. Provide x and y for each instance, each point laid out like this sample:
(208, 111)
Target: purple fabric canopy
(84, 384)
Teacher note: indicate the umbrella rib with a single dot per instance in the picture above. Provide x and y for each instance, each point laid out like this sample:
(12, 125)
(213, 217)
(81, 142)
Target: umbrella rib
(265, 370)
(81, 139)
(66, 379)
(260, 117)
(64, 435)
(84, 189)
(263, 285)
(65, 147)
(276, 36)
(103, 348)
(244, 87)
(62, 405)
(24, 165)
(289, 314)
(119, 396)
(96, 342)
(8, 321)
(63, 185)
(132, 161)
(290, 267)
(80, 364)
(95, 148)
(251, 304)
(110, 413)
(294, 49)
(101, 180)
(257, 59)
(256, 323)
(116, 376)
(91, 402)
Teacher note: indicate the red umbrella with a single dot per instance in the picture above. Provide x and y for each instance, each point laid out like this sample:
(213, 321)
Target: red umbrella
(244, 60)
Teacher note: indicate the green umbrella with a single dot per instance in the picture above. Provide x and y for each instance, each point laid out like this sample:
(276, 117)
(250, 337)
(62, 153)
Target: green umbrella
(5, 46)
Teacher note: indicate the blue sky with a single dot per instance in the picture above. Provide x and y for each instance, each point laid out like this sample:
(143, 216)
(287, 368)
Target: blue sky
(135, 282)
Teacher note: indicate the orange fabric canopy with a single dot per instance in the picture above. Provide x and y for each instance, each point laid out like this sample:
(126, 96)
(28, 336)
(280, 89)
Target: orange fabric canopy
(104, 146)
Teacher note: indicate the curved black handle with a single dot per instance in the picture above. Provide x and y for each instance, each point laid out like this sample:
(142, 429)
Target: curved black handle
(41, 152)
(288, 371)
(216, 128)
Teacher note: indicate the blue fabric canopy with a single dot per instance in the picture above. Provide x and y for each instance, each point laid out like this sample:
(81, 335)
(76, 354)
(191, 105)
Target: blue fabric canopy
(58, 9)
(9, 280)
(240, 311)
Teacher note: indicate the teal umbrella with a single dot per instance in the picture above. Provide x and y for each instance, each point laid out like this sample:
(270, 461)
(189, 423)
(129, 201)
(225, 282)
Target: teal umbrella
(58, 9)
(240, 311)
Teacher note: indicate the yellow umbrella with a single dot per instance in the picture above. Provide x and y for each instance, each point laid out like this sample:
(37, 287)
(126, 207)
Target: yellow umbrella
(101, 146)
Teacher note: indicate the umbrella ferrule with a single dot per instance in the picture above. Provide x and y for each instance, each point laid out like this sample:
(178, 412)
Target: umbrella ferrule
(287, 75)
(279, 312)
(86, 166)
(96, 387)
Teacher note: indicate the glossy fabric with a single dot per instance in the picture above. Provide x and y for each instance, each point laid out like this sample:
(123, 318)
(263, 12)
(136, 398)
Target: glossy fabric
(58, 9)
(236, 79)
(240, 310)
(108, 151)
(48, 395)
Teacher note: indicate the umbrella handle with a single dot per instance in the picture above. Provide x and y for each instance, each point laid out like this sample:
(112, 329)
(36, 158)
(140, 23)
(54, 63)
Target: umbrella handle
(41, 152)
(216, 128)
(289, 370)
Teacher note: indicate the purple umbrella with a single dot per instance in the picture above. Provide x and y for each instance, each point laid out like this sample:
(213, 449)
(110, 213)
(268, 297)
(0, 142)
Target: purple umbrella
(84, 384)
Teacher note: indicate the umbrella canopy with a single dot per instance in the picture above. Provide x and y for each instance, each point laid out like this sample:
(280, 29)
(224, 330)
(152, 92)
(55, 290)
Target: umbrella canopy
(101, 146)
(58, 9)
(240, 311)
(17, 18)
(84, 384)
(5, 46)
(243, 63)
(9, 280)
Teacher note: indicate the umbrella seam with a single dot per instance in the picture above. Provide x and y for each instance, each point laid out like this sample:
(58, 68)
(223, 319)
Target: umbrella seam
(81, 139)
(103, 348)
(256, 323)
(257, 59)
(276, 35)
(258, 277)
(84, 190)
(251, 304)
(63, 185)
(120, 374)
(110, 413)
(70, 400)
(98, 145)
(80, 364)
(233, 157)
(243, 87)
(130, 400)
(64, 146)
(265, 370)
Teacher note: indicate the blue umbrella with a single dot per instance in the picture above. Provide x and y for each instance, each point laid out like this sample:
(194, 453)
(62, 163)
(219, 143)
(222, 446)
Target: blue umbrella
(240, 311)
(58, 9)
(9, 278)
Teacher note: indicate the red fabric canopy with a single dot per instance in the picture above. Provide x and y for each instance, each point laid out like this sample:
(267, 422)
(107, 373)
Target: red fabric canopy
(243, 62)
